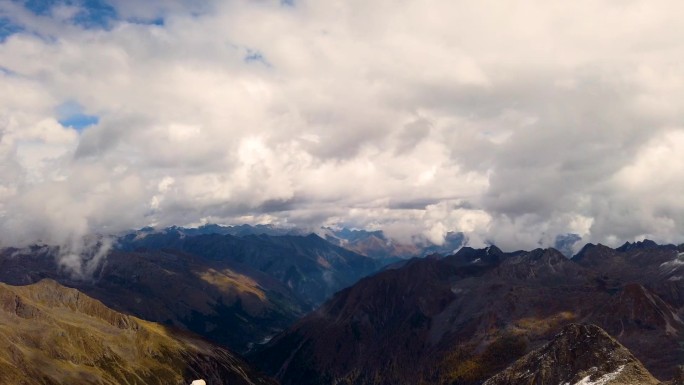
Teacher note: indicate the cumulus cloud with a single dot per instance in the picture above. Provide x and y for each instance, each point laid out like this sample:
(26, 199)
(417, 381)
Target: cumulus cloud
(511, 122)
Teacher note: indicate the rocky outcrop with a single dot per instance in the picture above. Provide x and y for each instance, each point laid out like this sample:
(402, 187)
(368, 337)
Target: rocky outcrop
(578, 355)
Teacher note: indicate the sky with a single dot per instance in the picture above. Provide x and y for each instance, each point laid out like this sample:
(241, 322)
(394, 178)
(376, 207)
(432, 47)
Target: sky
(514, 122)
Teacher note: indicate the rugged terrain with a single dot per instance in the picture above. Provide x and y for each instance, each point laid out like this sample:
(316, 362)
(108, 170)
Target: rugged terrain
(50, 334)
(458, 319)
(207, 297)
(311, 267)
(377, 245)
(374, 244)
(236, 291)
(579, 354)
(465, 317)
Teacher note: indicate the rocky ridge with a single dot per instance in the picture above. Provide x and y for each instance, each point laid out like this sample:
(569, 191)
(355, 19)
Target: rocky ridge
(578, 355)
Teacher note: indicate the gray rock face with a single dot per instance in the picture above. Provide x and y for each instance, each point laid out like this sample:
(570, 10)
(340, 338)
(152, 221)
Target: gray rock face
(578, 355)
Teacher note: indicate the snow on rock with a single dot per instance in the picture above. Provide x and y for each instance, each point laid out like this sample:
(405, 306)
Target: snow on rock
(603, 380)
(578, 355)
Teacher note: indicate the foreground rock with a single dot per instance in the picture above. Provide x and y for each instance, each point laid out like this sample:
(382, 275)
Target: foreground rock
(579, 355)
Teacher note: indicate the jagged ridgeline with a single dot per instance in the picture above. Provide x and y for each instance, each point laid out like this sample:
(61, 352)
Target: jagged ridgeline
(51, 335)
(463, 318)
(443, 320)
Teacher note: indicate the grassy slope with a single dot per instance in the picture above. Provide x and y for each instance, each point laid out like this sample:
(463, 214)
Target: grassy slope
(50, 334)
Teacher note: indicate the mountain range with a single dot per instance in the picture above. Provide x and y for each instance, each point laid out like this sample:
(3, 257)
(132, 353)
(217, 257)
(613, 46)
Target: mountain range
(236, 291)
(374, 244)
(465, 317)
(307, 311)
(310, 267)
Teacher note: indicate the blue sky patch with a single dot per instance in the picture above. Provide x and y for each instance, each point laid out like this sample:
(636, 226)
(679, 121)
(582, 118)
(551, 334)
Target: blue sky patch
(159, 21)
(96, 14)
(8, 28)
(79, 122)
(41, 7)
(93, 13)
(70, 114)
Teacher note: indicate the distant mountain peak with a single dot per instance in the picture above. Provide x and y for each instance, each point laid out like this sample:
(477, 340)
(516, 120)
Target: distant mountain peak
(645, 244)
(315, 236)
(592, 249)
(493, 250)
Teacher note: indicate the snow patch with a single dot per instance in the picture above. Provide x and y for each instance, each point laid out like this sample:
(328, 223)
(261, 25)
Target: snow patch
(675, 262)
(669, 329)
(327, 276)
(672, 266)
(457, 290)
(603, 380)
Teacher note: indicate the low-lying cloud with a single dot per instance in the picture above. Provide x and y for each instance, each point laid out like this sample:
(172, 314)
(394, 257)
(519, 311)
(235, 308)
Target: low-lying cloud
(513, 123)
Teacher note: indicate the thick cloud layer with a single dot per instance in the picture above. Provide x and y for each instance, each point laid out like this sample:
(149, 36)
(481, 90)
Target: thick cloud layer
(512, 122)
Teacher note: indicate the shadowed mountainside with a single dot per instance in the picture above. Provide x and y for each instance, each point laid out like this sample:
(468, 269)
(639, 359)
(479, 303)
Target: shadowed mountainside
(207, 297)
(463, 318)
(311, 267)
(237, 291)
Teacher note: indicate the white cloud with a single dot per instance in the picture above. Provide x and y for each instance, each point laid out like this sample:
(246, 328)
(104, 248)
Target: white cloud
(513, 122)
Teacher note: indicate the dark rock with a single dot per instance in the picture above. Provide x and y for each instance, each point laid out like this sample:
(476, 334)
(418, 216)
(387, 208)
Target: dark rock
(579, 354)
